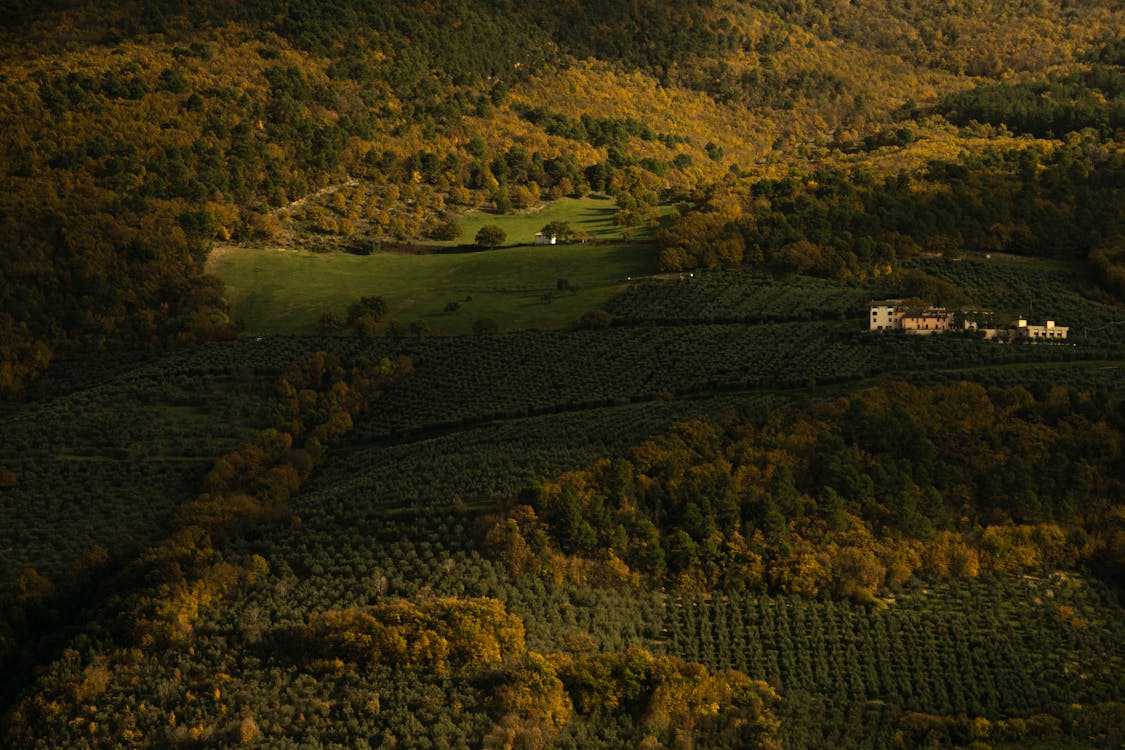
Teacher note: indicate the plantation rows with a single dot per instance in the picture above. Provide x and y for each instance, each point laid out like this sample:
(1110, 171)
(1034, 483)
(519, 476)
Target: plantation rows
(847, 673)
(997, 649)
(183, 373)
(904, 659)
(485, 465)
(1035, 291)
(398, 511)
(813, 720)
(516, 375)
(357, 563)
(1108, 377)
(103, 466)
(710, 297)
(737, 296)
(175, 405)
(905, 354)
(62, 510)
(198, 418)
(175, 414)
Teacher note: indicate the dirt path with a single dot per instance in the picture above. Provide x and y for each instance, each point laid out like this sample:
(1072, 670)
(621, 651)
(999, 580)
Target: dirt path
(287, 237)
(326, 190)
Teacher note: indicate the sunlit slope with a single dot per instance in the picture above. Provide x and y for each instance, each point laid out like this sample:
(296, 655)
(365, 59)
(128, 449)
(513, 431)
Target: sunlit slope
(517, 287)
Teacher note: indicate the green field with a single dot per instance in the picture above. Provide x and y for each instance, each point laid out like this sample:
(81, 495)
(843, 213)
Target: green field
(594, 216)
(287, 291)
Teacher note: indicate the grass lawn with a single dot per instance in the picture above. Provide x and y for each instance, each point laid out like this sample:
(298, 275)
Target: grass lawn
(287, 291)
(595, 216)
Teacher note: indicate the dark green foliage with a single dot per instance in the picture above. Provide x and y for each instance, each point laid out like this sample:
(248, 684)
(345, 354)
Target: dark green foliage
(849, 675)
(372, 307)
(738, 296)
(1037, 291)
(560, 230)
(490, 235)
(1060, 203)
(597, 131)
(397, 512)
(641, 363)
(1092, 99)
(446, 228)
(733, 502)
(95, 461)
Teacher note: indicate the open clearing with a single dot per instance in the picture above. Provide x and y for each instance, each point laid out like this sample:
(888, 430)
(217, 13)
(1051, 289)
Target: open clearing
(597, 217)
(275, 291)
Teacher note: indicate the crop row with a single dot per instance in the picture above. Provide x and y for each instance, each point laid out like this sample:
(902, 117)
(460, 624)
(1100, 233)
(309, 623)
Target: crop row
(744, 296)
(1014, 647)
(1000, 649)
(1035, 291)
(524, 374)
(62, 511)
(485, 465)
(480, 418)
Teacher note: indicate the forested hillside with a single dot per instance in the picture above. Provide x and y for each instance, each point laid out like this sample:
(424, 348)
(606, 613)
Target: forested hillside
(850, 500)
(532, 402)
(141, 132)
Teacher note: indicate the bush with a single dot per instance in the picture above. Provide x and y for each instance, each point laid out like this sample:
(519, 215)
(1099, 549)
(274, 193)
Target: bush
(446, 228)
(363, 246)
(491, 235)
(375, 307)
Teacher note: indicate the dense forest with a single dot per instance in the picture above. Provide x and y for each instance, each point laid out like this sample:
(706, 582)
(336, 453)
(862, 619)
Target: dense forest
(141, 133)
(850, 499)
(708, 510)
(1062, 203)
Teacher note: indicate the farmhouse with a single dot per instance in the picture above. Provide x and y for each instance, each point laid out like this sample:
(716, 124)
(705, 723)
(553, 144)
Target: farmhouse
(897, 315)
(545, 239)
(1046, 332)
(885, 314)
(927, 321)
(894, 315)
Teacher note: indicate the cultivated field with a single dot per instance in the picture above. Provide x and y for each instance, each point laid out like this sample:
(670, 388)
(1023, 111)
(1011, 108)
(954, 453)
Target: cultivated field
(402, 508)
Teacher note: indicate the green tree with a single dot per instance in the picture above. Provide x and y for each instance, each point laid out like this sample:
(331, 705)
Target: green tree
(560, 230)
(375, 307)
(491, 235)
(446, 228)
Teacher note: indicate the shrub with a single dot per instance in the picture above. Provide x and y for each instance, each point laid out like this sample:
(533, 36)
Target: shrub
(491, 235)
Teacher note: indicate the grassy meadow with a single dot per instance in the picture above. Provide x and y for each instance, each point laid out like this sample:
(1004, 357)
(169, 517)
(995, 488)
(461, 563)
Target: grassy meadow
(287, 291)
(594, 216)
